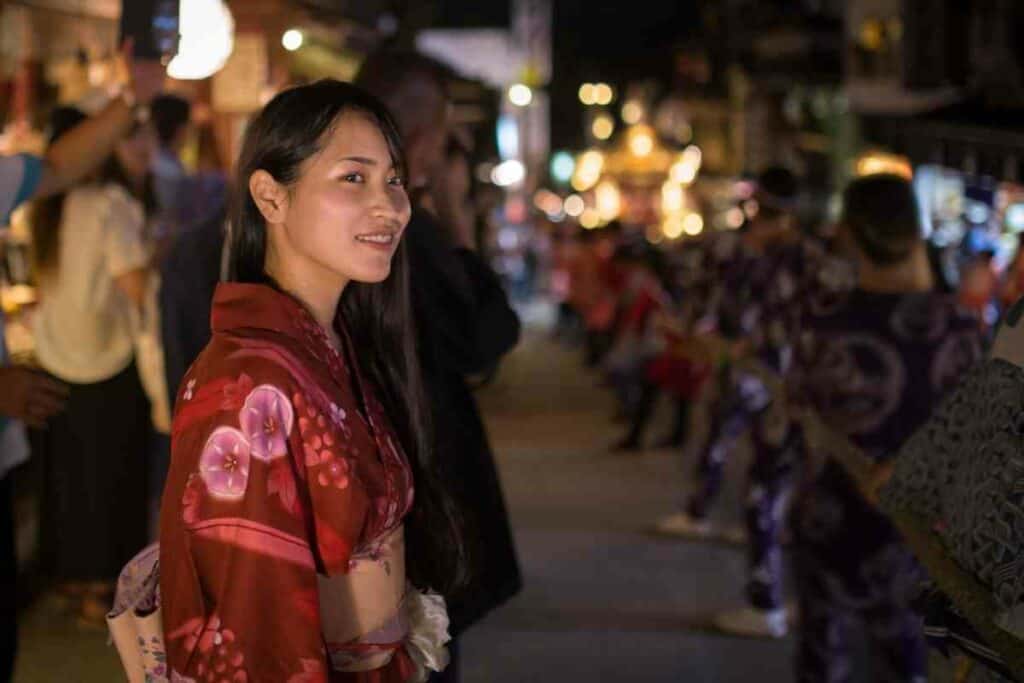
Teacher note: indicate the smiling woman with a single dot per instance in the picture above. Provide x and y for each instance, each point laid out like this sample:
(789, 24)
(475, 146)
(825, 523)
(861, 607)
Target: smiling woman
(299, 433)
(341, 220)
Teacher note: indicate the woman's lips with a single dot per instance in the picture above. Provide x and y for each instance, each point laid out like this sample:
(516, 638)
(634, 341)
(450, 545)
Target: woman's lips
(380, 240)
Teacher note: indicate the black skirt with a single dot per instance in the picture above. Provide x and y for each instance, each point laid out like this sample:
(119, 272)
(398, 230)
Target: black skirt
(94, 494)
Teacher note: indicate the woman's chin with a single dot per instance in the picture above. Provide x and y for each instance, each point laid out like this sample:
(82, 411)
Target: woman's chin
(371, 275)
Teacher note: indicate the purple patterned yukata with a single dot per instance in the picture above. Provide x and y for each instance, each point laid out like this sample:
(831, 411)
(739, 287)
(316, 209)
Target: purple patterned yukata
(760, 299)
(873, 367)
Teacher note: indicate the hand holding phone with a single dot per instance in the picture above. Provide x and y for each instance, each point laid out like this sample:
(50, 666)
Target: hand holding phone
(146, 75)
(152, 26)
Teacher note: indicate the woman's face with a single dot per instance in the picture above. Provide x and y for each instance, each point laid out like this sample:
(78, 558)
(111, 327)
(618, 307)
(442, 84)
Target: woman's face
(348, 209)
(135, 152)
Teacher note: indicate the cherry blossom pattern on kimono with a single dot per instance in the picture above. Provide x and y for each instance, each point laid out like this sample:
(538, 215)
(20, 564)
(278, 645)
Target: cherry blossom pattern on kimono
(266, 419)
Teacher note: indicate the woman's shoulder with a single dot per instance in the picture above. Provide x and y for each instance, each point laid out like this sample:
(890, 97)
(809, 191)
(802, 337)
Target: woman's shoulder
(256, 352)
(89, 193)
(105, 198)
(227, 374)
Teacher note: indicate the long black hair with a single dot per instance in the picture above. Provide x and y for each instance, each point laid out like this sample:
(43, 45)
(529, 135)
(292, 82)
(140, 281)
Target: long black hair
(291, 129)
(44, 215)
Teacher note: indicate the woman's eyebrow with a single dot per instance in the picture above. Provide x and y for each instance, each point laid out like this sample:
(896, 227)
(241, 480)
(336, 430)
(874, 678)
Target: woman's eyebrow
(361, 160)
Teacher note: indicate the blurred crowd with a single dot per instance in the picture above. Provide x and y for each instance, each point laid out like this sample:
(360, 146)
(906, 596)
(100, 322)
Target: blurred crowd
(826, 349)
(840, 353)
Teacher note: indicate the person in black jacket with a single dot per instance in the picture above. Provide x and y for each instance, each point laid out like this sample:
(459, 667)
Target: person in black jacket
(465, 326)
(188, 276)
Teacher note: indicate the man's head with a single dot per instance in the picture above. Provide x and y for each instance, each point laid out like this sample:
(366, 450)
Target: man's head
(170, 115)
(776, 196)
(880, 219)
(414, 88)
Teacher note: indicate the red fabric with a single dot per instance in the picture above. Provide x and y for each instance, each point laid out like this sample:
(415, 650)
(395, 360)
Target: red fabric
(978, 288)
(678, 373)
(644, 303)
(283, 466)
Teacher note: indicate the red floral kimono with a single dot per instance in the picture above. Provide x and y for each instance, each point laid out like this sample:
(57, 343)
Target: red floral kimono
(283, 466)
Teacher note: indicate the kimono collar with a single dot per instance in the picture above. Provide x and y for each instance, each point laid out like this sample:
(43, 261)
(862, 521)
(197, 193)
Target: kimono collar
(250, 306)
(241, 306)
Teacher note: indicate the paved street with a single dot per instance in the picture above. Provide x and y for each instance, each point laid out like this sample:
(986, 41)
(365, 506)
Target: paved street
(604, 601)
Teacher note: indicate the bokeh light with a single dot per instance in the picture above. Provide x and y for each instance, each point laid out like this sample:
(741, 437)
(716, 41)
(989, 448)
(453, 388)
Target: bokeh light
(603, 127)
(292, 39)
(520, 95)
(573, 205)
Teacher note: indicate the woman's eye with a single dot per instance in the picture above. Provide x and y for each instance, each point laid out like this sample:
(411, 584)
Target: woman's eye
(353, 178)
(397, 181)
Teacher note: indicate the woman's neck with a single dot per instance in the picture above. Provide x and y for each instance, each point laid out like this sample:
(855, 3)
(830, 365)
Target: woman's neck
(912, 275)
(319, 295)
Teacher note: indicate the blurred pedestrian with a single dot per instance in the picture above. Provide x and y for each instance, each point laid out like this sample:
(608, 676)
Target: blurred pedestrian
(954, 483)
(872, 366)
(171, 117)
(637, 342)
(92, 261)
(464, 324)
(979, 286)
(763, 285)
(30, 397)
(189, 258)
(188, 278)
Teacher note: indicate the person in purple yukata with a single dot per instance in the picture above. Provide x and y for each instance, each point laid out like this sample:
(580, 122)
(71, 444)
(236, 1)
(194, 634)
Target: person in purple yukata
(870, 367)
(759, 281)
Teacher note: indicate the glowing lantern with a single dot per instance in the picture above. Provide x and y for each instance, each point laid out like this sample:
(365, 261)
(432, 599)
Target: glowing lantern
(207, 39)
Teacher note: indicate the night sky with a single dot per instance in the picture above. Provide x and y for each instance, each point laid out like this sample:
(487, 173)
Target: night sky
(614, 42)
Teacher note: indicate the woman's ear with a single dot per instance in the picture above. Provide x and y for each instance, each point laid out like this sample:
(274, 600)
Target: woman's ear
(270, 196)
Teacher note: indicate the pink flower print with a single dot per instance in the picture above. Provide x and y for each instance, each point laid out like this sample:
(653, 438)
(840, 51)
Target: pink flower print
(334, 472)
(224, 464)
(266, 419)
(338, 415)
(189, 390)
(339, 419)
(219, 658)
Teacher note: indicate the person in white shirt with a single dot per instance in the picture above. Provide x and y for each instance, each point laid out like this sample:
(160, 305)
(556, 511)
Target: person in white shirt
(29, 397)
(92, 260)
